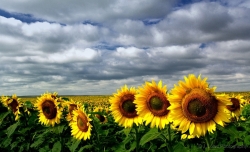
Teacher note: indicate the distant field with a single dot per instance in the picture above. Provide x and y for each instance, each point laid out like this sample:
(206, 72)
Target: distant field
(105, 98)
(79, 98)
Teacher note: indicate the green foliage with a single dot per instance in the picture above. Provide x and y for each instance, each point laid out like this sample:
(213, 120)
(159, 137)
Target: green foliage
(246, 111)
(3, 116)
(74, 145)
(12, 128)
(27, 134)
(57, 147)
(149, 136)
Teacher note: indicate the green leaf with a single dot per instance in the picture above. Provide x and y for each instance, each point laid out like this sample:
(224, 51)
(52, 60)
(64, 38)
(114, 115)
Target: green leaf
(150, 135)
(179, 147)
(43, 133)
(85, 147)
(44, 149)
(246, 111)
(197, 147)
(163, 145)
(132, 146)
(24, 130)
(239, 143)
(28, 104)
(3, 115)
(18, 141)
(14, 144)
(12, 128)
(247, 140)
(57, 147)
(121, 146)
(7, 142)
(21, 148)
(57, 129)
(105, 132)
(74, 145)
(218, 149)
(37, 143)
(127, 131)
(33, 118)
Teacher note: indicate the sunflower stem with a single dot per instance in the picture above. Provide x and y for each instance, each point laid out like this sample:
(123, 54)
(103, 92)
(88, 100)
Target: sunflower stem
(137, 138)
(169, 138)
(208, 141)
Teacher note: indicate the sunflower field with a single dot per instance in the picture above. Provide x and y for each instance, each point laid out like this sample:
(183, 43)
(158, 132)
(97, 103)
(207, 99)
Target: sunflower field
(191, 117)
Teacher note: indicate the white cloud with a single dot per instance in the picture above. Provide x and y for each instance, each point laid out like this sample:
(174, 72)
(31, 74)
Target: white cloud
(9, 21)
(130, 52)
(74, 55)
(39, 28)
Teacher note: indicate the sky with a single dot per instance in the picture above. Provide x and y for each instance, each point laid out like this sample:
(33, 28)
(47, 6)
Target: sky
(83, 47)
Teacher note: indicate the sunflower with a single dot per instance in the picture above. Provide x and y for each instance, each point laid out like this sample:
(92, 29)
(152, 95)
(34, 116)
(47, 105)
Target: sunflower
(13, 103)
(101, 117)
(152, 103)
(238, 103)
(71, 105)
(80, 124)
(196, 108)
(123, 107)
(49, 111)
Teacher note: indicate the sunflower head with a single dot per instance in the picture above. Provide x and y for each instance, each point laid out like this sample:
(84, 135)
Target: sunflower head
(49, 111)
(199, 106)
(13, 103)
(80, 124)
(71, 105)
(196, 108)
(237, 105)
(152, 103)
(102, 118)
(123, 107)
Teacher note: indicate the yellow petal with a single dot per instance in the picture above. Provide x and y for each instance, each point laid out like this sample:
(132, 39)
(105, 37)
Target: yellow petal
(191, 128)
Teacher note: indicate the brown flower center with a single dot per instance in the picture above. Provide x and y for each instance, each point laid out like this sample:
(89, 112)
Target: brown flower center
(195, 107)
(72, 107)
(13, 105)
(158, 104)
(49, 109)
(127, 107)
(82, 121)
(235, 106)
(100, 117)
(199, 106)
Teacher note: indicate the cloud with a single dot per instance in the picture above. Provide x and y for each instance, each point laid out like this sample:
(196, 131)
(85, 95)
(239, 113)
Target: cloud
(85, 47)
(70, 12)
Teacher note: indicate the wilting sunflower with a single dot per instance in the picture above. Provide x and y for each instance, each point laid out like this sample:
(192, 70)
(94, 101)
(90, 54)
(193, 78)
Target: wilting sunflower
(49, 111)
(152, 103)
(13, 103)
(196, 108)
(123, 107)
(80, 124)
(101, 117)
(237, 106)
